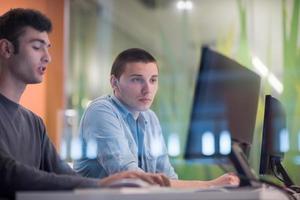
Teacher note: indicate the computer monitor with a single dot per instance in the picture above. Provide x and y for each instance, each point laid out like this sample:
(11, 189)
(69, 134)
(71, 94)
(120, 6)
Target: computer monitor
(223, 112)
(274, 141)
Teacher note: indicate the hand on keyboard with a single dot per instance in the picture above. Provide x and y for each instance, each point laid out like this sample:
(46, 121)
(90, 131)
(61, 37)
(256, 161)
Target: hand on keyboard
(151, 178)
(128, 182)
(229, 179)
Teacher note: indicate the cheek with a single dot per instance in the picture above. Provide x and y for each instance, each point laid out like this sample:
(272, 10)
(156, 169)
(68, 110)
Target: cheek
(128, 90)
(154, 89)
(27, 60)
(133, 88)
(32, 56)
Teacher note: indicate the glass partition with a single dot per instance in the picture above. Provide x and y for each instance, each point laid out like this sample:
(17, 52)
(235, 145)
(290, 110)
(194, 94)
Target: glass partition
(262, 35)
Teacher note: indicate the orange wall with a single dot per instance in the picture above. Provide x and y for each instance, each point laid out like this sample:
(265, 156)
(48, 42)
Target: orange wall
(46, 99)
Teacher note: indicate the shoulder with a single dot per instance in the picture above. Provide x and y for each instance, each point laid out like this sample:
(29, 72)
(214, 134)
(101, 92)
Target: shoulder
(30, 115)
(32, 124)
(101, 108)
(103, 102)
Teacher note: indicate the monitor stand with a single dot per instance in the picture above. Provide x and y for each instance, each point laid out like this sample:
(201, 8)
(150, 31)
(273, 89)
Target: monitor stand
(245, 172)
(280, 172)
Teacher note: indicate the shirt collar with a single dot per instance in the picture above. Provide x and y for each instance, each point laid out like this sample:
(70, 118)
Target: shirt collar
(9, 104)
(124, 110)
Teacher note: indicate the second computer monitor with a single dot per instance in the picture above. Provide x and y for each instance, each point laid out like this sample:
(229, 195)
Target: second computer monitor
(274, 141)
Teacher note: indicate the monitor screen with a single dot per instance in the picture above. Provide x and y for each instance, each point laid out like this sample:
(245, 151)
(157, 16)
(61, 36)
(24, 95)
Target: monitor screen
(274, 140)
(224, 107)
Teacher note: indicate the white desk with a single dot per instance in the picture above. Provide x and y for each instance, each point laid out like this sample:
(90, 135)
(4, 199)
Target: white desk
(154, 194)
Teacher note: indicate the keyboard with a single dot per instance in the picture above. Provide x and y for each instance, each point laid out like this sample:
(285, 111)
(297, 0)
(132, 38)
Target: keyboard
(156, 193)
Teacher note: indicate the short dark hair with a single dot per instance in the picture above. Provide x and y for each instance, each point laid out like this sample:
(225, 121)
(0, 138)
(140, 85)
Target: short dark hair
(130, 56)
(13, 22)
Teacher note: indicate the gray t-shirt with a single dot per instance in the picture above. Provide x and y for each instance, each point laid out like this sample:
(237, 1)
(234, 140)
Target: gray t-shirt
(28, 159)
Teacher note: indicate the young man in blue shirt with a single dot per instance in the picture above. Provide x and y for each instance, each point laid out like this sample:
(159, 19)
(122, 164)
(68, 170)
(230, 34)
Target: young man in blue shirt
(127, 132)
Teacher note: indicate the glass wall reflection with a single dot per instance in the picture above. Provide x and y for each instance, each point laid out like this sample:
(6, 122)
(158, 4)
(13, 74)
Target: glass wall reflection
(261, 35)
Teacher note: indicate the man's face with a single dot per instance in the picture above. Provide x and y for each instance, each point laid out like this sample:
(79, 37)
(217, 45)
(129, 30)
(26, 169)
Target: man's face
(29, 64)
(137, 86)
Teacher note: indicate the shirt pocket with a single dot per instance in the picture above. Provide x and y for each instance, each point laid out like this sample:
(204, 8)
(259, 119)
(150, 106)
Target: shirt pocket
(150, 161)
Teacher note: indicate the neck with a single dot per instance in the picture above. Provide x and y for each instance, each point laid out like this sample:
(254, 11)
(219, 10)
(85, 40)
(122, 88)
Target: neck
(10, 89)
(135, 114)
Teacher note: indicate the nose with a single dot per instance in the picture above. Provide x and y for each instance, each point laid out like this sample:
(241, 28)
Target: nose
(47, 57)
(146, 87)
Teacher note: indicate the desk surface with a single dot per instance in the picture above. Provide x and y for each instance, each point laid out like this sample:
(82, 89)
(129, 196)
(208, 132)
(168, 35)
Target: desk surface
(157, 194)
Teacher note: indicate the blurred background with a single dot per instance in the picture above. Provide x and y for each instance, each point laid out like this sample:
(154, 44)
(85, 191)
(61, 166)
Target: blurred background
(263, 35)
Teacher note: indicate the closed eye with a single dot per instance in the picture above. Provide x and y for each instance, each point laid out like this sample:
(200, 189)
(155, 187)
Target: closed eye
(36, 47)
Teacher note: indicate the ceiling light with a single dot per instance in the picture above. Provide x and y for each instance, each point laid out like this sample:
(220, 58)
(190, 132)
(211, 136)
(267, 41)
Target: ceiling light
(259, 66)
(184, 5)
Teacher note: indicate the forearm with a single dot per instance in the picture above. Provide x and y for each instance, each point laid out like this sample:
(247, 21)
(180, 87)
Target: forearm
(190, 184)
(226, 179)
(17, 176)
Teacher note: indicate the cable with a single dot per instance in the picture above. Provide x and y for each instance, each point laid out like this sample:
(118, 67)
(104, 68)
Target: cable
(286, 191)
(275, 172)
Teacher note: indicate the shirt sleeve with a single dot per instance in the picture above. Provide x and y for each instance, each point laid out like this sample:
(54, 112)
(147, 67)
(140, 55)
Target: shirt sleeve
(16, 176)
(102, 124)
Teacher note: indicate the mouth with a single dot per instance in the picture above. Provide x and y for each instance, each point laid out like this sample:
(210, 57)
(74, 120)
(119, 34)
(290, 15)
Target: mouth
(42, 69)
(145, 100)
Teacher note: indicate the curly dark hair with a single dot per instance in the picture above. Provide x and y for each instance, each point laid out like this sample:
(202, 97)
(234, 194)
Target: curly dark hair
(13, 22)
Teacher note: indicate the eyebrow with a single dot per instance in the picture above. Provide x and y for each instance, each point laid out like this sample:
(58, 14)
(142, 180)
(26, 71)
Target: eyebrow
(139, 75)
(135, 75)
(41, 41)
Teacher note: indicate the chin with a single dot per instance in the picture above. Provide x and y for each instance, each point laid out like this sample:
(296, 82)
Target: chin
(144, 108)
(37, 81)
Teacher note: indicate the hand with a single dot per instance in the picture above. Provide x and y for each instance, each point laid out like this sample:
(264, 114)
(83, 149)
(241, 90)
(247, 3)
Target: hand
(153, 179)
(226, 179)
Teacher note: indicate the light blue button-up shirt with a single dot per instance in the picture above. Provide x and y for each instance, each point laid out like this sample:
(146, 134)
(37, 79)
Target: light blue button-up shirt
(123, 143)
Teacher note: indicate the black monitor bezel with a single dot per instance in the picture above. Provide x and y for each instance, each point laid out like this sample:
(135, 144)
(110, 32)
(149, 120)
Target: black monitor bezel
(270, 156)
(208, 58)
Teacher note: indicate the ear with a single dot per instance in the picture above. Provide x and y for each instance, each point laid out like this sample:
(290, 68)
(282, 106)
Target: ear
(6, 48)
(113, 82)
